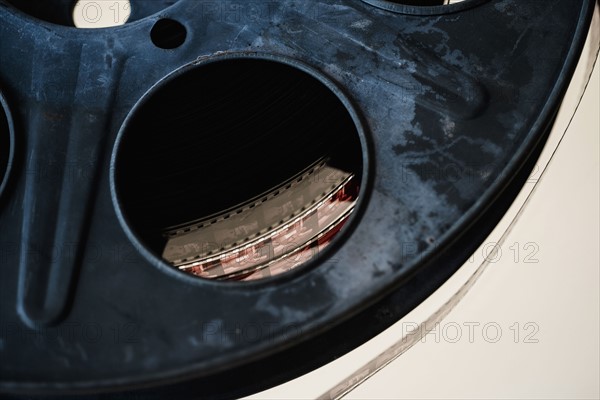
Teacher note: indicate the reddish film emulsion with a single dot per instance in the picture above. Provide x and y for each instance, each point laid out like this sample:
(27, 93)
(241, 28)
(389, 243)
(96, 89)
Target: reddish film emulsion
(310, 219)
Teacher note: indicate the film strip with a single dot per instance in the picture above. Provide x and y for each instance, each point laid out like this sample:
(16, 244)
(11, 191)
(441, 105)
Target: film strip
(274, 233)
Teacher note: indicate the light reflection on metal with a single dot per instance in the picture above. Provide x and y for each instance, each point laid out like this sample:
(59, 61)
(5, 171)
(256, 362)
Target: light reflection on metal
(270, 235)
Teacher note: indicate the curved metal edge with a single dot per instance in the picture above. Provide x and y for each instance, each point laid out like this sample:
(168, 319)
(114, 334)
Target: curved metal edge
(424, 10)
(11, 137)
(365, 184)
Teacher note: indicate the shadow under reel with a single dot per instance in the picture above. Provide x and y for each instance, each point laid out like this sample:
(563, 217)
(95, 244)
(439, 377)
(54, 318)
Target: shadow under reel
(217, 197)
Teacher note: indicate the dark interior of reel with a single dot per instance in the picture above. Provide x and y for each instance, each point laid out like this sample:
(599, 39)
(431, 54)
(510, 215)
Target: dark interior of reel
(54, 11)
(221, 134)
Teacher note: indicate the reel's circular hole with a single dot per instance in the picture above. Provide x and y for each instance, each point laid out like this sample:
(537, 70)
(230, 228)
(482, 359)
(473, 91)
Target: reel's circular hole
(168, 34)
(238, 169)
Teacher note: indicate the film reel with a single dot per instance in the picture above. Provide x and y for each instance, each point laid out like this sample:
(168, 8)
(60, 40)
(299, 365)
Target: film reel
(117, 155)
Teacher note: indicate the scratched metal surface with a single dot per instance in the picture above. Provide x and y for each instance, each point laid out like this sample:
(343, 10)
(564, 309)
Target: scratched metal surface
(450, 104)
